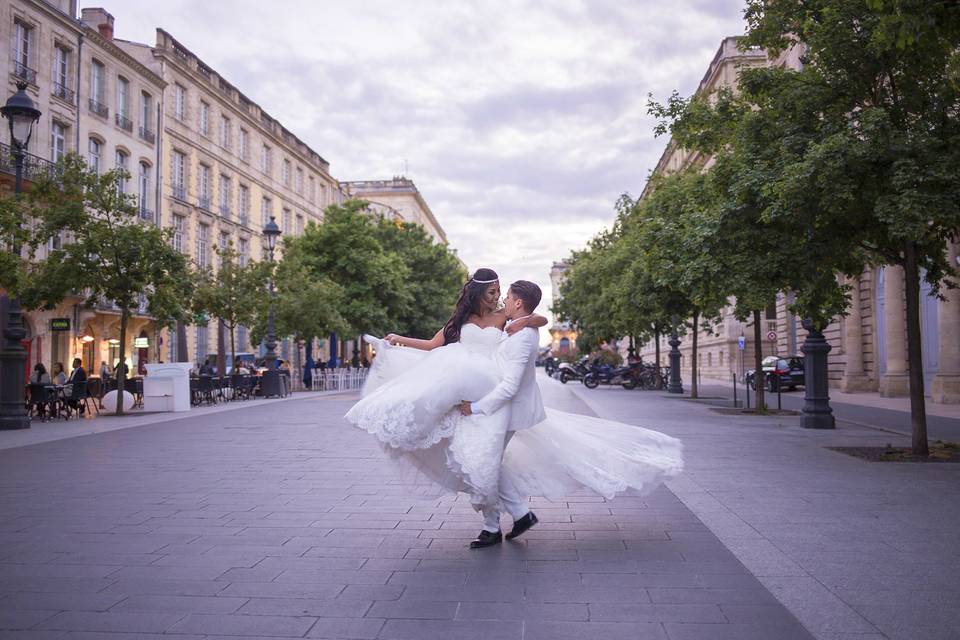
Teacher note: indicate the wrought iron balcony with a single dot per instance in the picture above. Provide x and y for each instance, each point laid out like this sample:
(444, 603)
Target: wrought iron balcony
(23, 72)
(64, 93)
(124, 122)
(99, 108)
(204, 203)
(146, 214)
(180, 192)
(33, 166)
(148, 135)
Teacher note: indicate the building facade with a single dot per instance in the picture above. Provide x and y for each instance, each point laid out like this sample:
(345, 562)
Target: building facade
(398, 199)
(227, 167)
(868, 346)
(99, 102)
(563, 338)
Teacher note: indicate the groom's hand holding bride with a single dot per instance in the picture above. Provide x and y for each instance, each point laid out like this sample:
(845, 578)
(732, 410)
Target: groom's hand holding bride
(465, 408)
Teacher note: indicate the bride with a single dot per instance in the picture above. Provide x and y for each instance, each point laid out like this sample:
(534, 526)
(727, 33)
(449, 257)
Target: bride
(410, 404)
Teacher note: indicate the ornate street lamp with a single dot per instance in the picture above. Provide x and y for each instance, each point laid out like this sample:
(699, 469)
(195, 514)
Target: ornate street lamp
(21, 115)
(271, 377)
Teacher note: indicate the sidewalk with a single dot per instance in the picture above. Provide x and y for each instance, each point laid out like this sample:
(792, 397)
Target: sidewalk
(863, 409)
(856, 550)
(104, 422)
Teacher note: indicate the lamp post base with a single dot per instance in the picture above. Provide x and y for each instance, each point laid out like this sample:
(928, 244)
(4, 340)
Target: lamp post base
(676, 382)
(816, 413)
(13, 362)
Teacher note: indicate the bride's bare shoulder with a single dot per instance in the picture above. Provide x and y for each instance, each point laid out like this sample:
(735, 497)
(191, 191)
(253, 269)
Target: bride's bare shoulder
(497, 319)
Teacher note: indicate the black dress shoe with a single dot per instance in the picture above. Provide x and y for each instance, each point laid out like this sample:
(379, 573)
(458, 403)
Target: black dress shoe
(521, 525)
(486, 539)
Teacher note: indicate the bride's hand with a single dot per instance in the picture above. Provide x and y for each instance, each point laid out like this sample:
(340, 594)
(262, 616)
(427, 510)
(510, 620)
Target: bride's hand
(393, 339)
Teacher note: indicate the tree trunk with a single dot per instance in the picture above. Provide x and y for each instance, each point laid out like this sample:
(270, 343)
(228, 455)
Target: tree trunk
(758, 380)
(656, 357)
(221, 349)
(694, 365)
(122, 365)
(918, 410)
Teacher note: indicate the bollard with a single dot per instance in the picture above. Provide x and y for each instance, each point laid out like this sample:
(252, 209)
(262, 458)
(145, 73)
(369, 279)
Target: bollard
(734, 376)
(746, 387)
(779, 390)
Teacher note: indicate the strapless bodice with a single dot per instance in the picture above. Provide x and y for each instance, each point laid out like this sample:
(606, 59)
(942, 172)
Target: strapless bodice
(480, 340)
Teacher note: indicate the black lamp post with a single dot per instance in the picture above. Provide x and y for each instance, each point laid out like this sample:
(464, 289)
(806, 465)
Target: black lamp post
(21, 115)
(816, 413)
(271, 377)
(675, 385)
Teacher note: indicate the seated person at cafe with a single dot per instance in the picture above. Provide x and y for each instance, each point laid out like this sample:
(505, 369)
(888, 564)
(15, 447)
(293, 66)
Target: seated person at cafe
(206, 369)
(239, 369)
(59, 377)
(39, 376)
(77, 375)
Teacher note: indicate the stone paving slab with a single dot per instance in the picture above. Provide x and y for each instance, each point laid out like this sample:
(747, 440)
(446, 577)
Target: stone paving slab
(281, 521)
(855, 550)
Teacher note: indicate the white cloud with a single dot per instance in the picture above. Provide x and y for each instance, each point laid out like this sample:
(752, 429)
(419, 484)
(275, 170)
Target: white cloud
(520, 121)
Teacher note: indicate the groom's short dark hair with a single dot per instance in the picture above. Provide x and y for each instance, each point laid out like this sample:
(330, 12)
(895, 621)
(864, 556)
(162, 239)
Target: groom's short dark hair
(528, 292)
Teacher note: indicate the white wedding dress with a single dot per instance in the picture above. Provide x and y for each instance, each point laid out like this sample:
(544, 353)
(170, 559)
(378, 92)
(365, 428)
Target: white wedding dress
(409, 404)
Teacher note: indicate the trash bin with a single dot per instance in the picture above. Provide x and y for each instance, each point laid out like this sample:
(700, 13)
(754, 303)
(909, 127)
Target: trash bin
(166, 386)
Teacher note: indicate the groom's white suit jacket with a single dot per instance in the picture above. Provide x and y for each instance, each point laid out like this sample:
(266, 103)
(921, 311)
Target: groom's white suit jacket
(517, 357)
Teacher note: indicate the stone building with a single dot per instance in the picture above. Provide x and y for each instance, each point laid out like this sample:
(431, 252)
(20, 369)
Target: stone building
(101, 103)
(563, 338)
(398, 199)
(869, 345)
(227, 167)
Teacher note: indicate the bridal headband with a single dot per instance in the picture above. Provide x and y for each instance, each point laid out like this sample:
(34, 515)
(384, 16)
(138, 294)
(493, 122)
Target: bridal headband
(484, 281)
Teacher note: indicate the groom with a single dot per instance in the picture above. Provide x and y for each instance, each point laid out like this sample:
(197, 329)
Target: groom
(516, 356)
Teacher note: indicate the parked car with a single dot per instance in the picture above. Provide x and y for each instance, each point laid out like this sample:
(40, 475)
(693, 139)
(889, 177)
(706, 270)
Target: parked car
(778, 372)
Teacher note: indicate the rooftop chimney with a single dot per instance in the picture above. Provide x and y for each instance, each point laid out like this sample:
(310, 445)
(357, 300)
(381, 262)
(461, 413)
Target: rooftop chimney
(98, 18)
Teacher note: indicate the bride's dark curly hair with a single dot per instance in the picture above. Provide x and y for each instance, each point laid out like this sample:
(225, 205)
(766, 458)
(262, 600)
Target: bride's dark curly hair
(468, 303)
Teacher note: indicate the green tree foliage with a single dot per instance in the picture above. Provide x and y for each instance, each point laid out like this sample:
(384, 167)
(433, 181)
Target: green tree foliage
(436, 276)
(346, 249)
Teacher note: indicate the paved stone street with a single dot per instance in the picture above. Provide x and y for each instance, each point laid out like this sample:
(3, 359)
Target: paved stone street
(278, 520)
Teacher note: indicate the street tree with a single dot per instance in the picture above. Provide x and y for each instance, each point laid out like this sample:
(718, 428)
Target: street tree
(885, 159)
(231, 293)
(436, 276)
(345, 249)
(111, 255)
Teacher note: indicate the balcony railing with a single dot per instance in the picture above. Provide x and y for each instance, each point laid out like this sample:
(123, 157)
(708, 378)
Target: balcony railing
(204, 203)
(124, 122)
(146, 214)
(225, 211)
(180, 192)
(148, 135)
(33, 166)
(24, 73)
(64, 93)
(98, 108)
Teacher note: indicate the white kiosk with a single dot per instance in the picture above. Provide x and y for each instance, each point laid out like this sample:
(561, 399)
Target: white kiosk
(166, 387)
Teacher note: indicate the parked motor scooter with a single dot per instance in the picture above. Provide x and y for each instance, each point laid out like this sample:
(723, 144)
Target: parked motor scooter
(607, 374)
(568, 371)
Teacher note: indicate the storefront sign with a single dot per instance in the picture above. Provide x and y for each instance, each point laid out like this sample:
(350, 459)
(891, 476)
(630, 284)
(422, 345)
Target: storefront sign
(141, 343)
(59, 324)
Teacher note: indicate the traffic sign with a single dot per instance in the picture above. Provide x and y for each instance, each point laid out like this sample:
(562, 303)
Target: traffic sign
(741, 343)
(771, 335)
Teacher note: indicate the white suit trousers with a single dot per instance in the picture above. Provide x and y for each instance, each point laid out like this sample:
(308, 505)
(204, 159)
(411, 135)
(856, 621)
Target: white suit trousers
(510, 499)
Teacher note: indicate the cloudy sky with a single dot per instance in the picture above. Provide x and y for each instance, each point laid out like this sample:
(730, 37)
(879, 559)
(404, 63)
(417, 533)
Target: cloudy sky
(520, 121)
